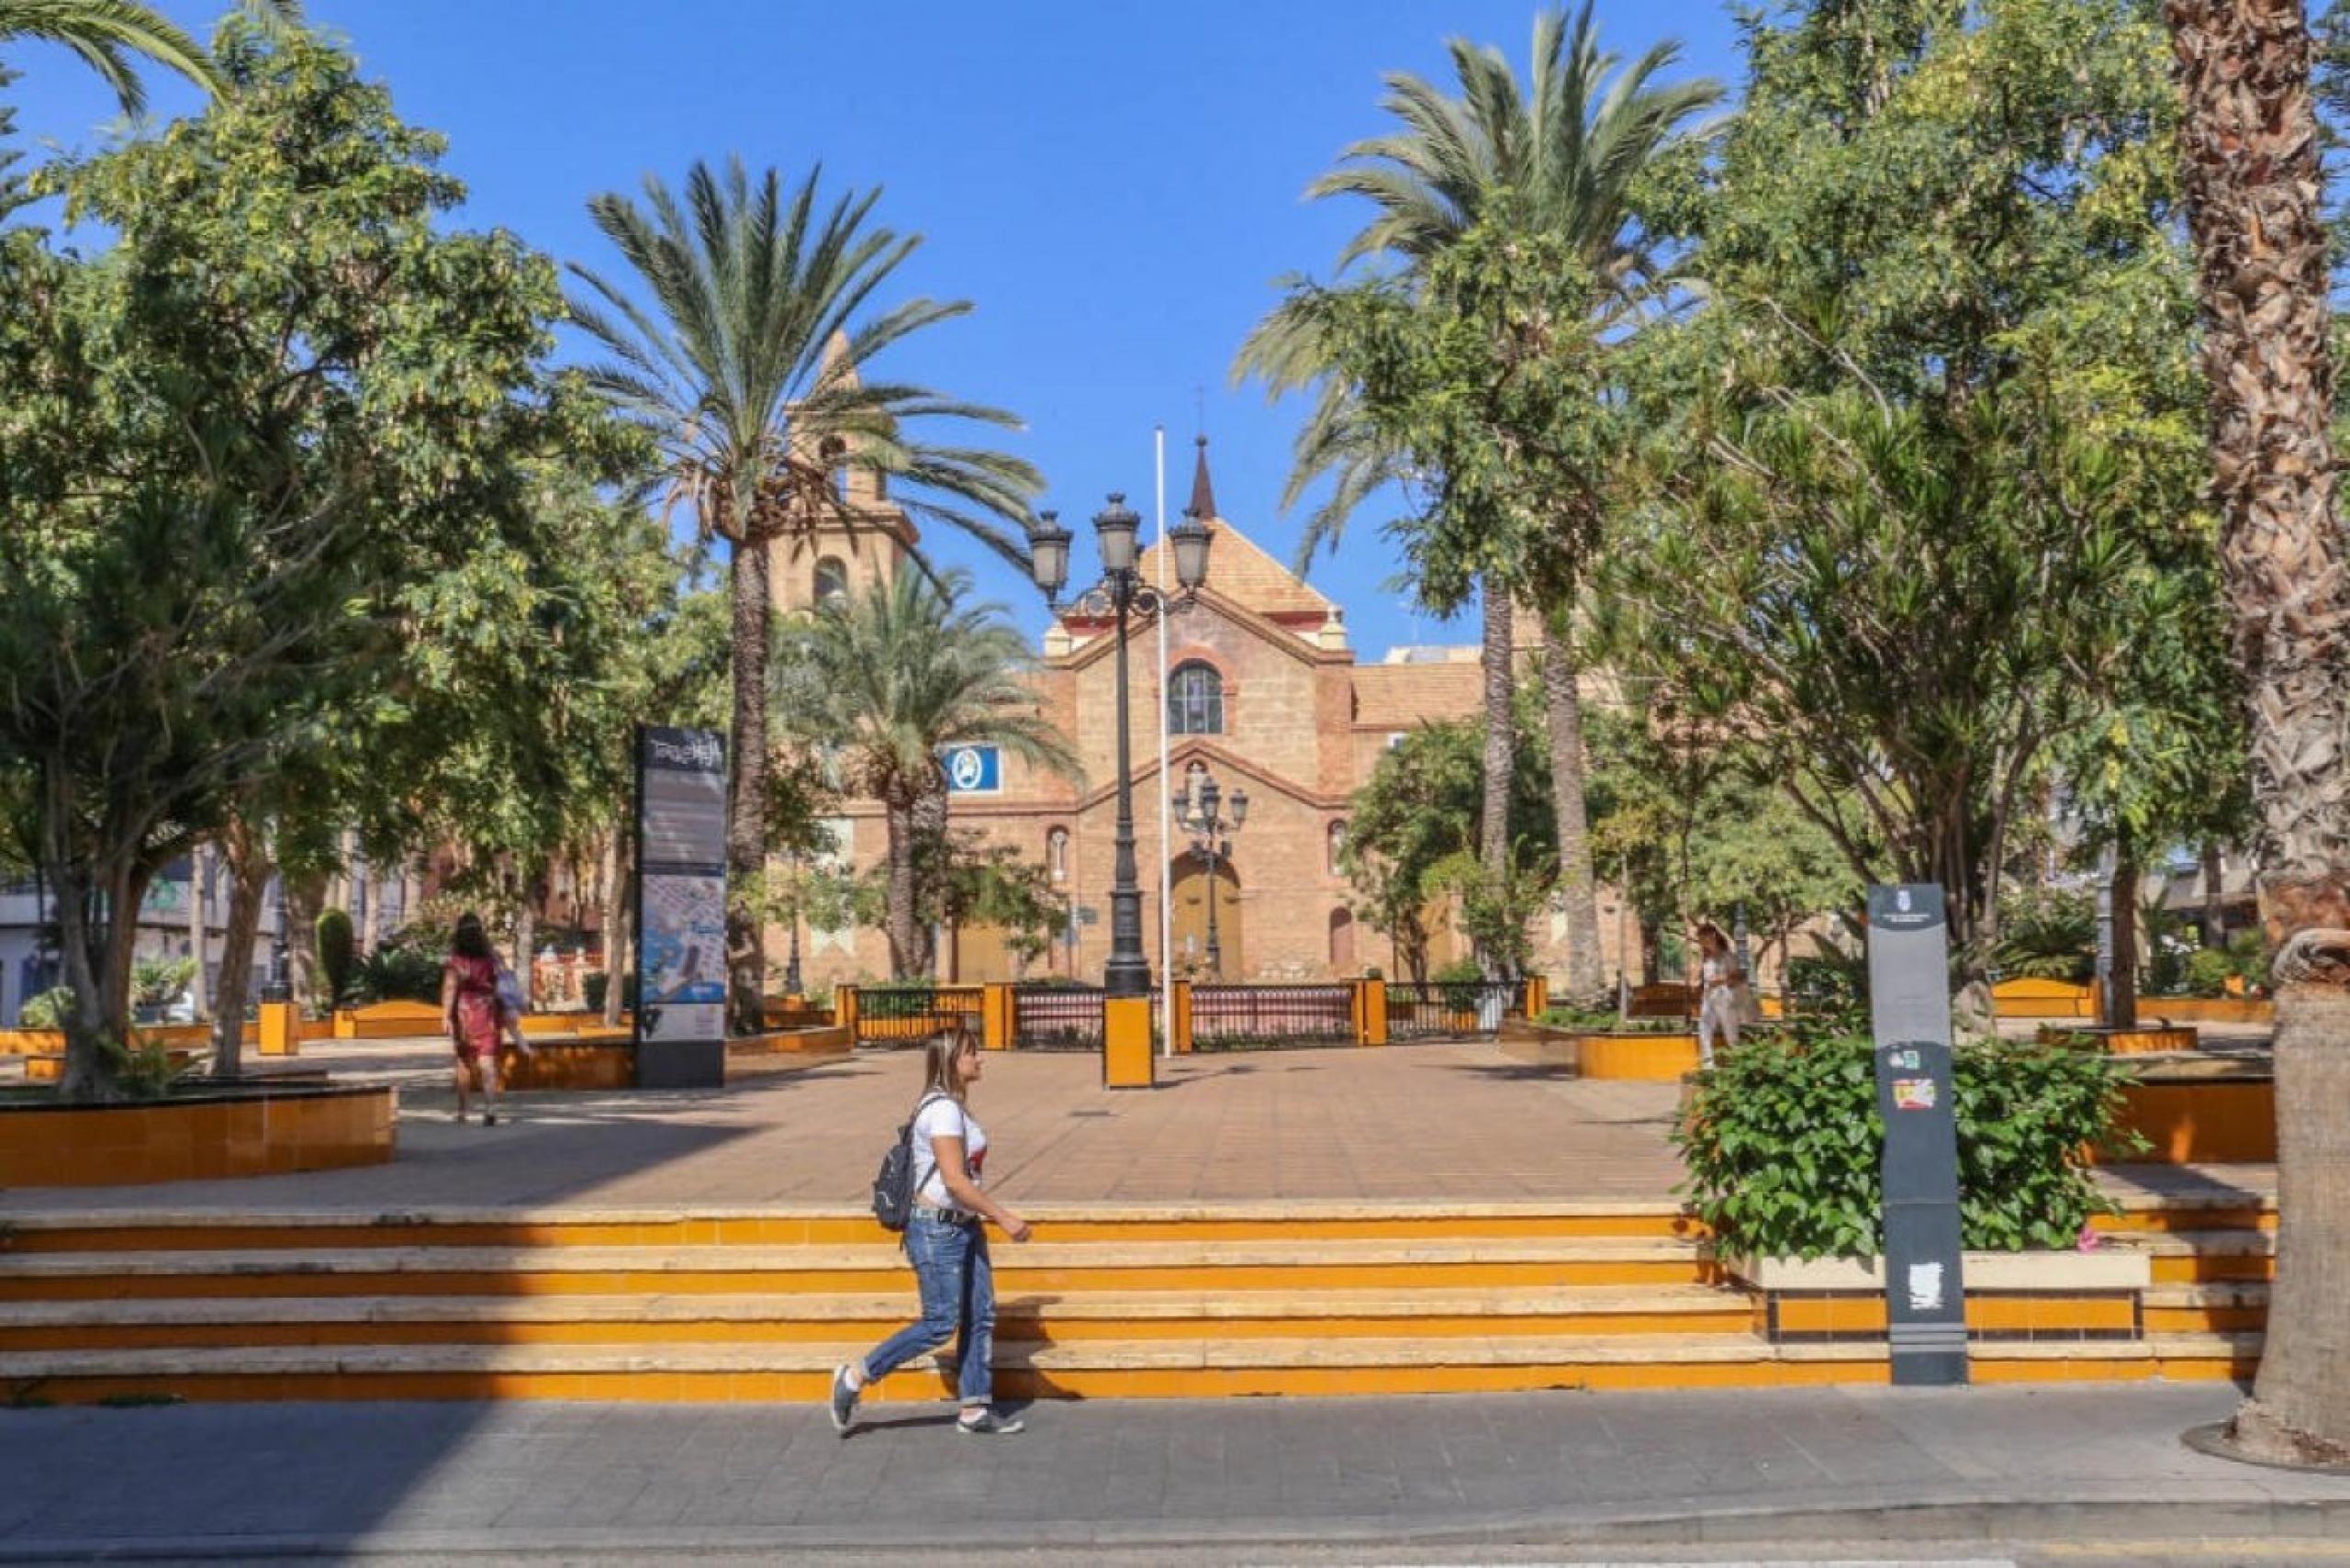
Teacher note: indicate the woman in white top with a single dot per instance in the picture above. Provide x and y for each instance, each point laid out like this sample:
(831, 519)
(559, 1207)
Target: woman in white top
(947, 1239)
(1718, 979)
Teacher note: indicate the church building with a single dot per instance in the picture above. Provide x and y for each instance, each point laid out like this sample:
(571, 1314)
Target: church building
(1263, 693)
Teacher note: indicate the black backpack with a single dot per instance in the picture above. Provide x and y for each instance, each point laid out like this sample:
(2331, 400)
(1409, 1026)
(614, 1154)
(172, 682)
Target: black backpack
(893, 1184)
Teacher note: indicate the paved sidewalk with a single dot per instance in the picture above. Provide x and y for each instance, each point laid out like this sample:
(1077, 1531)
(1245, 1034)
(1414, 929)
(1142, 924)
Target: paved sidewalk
(637, 1482)
(1428, 1122)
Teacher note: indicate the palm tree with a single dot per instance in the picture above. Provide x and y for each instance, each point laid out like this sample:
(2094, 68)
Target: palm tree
(2249, 150)
(747, 366)
(887, 681)
(106, 33)
(1562, 159)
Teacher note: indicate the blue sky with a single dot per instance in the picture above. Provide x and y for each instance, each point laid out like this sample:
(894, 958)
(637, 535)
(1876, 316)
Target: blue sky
(1115, 186)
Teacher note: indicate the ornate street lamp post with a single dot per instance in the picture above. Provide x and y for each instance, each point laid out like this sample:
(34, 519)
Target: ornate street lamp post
(1212, 838)
(1120, 591)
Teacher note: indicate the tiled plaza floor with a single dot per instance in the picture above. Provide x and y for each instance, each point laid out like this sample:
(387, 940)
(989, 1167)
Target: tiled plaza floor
(1425, 1122)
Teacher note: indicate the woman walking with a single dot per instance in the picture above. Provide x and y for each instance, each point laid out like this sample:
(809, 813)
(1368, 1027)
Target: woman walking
(1719, 981)
(469, 1001)
(946, 1241)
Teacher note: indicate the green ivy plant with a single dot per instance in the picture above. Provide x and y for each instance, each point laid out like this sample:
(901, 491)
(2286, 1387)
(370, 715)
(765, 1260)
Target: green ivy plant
(1782, 1143)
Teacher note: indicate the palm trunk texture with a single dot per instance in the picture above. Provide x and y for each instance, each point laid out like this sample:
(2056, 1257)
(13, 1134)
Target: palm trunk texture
(1578, 889)
(2250, 157)
(1493, 828)
(746, 793)
(899, 816)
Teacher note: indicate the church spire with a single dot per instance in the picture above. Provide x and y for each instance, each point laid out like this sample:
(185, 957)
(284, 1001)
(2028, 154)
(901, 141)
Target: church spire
(1202, 492)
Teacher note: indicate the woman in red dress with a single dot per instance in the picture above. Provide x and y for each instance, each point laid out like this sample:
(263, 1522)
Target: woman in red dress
(469, 1001)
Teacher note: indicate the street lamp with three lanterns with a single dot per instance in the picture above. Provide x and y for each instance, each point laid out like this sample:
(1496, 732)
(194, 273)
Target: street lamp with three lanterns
(1121, 590)
(1195, 812)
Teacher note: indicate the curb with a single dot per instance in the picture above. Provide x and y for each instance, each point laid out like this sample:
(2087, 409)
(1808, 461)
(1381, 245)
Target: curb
(1990, 1518)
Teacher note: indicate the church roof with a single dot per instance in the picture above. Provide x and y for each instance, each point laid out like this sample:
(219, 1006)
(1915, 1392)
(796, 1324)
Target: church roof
(1238, 568)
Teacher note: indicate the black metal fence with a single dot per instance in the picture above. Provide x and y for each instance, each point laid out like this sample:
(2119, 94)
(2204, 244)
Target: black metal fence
(908, 1015)
(1257, 1017)
(1450, 1009)
(1056, 1018)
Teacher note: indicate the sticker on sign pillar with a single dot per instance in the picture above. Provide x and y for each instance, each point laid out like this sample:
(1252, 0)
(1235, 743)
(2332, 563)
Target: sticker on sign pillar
(1913, 1094)
(1925, 1287)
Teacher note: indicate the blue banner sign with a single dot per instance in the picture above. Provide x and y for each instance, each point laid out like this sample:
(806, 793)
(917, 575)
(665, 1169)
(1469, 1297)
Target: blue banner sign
(972, 769)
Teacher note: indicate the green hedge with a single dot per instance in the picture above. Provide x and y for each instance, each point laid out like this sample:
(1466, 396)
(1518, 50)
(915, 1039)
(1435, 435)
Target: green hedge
(1783, 1141)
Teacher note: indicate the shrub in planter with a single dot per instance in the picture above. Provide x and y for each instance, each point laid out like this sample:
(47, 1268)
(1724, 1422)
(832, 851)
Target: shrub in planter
(48, 1010)
(396, 972)
(1601, 1021)
(1783, 1141)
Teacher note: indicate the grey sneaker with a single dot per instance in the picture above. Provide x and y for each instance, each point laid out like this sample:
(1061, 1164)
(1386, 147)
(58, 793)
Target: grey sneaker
(844, 1402)
(984, 1422)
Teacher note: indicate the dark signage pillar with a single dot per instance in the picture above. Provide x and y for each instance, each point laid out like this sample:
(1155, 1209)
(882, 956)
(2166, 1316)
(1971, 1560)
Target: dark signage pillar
(1925, 1285)
(680, 1015)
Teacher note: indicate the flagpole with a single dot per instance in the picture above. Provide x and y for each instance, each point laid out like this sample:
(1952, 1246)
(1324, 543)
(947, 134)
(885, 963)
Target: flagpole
(1166, 812)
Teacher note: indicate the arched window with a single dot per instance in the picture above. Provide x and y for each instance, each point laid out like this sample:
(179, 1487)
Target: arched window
(1195, 701)
(1056, 853)
(832, 579)
(1337, 844)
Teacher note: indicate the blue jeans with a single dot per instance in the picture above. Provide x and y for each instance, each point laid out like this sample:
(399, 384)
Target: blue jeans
(957, 1303)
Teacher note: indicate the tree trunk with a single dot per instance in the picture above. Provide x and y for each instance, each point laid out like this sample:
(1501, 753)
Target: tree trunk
(2122, 984)
(199, 932)
(746, 793)
(371, 920)
(619, 900)
(931, 860)
(305, 902)
(526, 932)
(897, 815)
(2250, 158)
(1652, 950)
(2215, 915)
(247, 858)
(1578, 889)
(1492, 827)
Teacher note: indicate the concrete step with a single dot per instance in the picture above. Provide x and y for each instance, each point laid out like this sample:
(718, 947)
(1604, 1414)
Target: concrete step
(2193, 1255)
(166, 1230)
(1040, 1266)
(1187, 1368)
(651, 1319)
(2219, 1307)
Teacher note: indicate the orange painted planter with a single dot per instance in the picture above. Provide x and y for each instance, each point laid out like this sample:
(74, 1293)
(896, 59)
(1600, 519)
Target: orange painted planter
(390, 1021)
(2120, 1042)
(2217, 1121)
(571, 1064)
(2207, 1010)
(1662, 1058)
(2030, 998)
(826, 1040)
(264, 1133)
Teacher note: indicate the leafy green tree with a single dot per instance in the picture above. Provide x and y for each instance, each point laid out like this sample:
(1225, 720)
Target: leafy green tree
(243, 441)
(1413, 838)
(1494, 404)
(747, 360)
(1930, 233)
(885, 681)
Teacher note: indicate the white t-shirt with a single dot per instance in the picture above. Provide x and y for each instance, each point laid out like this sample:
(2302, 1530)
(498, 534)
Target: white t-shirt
(1713, 975)
(944, 1118)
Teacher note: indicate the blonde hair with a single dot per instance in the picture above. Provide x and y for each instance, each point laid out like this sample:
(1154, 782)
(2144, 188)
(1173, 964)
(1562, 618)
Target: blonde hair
(941, 1071)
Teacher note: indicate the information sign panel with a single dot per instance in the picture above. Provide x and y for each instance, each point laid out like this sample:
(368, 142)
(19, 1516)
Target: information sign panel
(1925, 1282)
(680, 908)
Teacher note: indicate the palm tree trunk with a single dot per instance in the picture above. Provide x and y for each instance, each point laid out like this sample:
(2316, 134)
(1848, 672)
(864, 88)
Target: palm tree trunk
(2121, 985)
(1578, 889)
(897, 814)
(932, 862)
(2215, 919)
(198, 934)
(2250, 156)
(1493, 828)
(746, 793)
